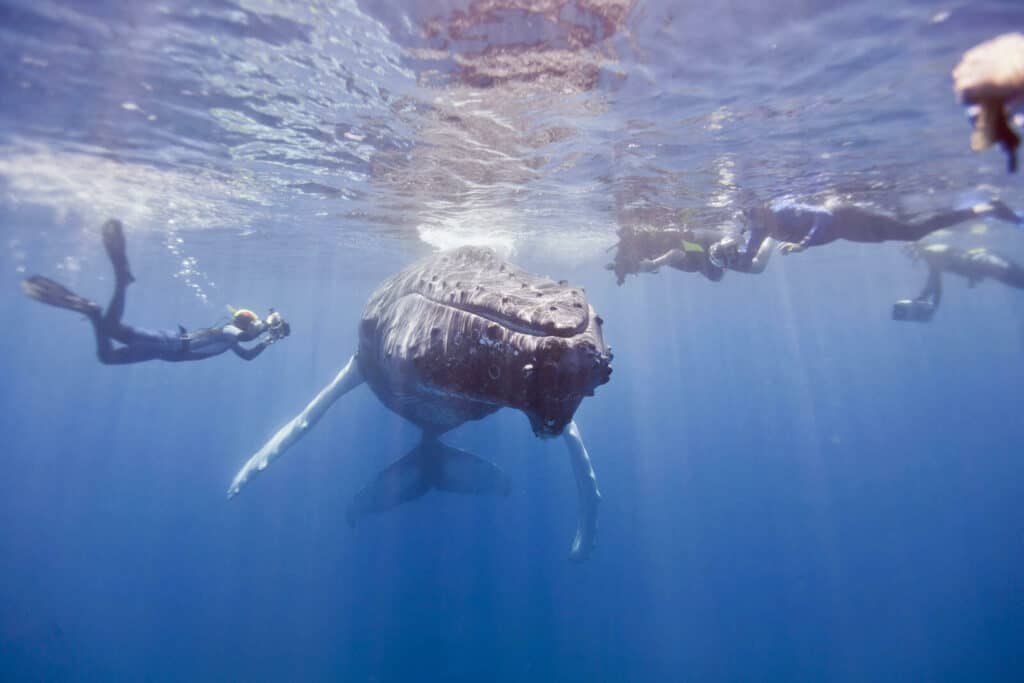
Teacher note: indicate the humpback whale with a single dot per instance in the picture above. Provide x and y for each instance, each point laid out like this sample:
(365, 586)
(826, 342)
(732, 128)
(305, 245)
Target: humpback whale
(453, 338)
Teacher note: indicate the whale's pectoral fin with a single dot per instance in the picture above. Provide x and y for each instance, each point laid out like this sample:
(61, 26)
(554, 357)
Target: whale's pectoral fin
(430, 465)
(345, 381)
(588, 495)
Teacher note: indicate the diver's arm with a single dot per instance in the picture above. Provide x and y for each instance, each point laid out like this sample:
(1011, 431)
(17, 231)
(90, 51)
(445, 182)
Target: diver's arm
(251, 352)
(794, 247)
(667, 259)
(933, 287)
(760, 260)
(345, 381)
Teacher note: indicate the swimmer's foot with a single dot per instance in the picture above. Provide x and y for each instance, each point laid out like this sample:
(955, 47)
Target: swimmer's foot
(999, 210)
(113, 240)
(46, 291)
(1005, 213)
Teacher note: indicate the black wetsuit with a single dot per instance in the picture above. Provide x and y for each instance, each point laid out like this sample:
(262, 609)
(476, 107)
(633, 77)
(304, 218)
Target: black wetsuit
(691, 253)
(138, 344)
(811, 226)
(169, 345)
(690, 249)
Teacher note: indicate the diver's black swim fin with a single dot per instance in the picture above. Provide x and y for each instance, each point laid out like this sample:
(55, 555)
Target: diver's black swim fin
(45, 290)
(113, 240)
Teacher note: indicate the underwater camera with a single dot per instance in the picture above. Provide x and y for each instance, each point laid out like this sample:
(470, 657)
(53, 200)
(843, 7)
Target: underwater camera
(913, 310)
(278, 327)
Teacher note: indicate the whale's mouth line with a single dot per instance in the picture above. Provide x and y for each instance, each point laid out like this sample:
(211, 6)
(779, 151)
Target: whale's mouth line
(491, 316)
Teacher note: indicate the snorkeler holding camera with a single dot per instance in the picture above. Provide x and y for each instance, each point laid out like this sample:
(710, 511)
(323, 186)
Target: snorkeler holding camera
(974, 264)
(139, 345)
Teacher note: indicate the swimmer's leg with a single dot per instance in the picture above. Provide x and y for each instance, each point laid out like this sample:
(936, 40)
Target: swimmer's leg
(1012, 275)
(108, 355)
(986, 209)
(858, 225)
(113, 240)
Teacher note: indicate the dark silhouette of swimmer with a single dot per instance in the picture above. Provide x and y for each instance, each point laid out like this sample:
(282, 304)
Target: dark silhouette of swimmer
(973, 264)
(140, 345)
(642, 250)
(797, 226)
(794, 225)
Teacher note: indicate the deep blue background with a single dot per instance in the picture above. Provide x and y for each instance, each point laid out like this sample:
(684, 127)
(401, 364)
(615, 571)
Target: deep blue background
(795, 488)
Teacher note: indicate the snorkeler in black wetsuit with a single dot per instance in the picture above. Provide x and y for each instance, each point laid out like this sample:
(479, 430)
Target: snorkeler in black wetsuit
(689, 250)
(974, 264)
(798, 226)
(143, 345)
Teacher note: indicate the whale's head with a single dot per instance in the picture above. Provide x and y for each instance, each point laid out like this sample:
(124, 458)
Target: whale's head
(466, 333)
(559, 373)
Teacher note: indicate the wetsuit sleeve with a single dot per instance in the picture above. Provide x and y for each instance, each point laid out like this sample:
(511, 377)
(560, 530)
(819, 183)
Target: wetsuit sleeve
(815, 226)
(251, 352)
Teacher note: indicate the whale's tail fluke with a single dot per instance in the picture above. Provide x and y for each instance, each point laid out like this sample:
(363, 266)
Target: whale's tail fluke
(431, 465)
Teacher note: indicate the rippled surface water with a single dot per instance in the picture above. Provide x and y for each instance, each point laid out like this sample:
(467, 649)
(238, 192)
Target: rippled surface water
(449, 121)
(795, 487)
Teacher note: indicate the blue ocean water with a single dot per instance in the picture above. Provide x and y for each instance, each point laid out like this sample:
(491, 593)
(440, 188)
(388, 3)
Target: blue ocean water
(795, 487)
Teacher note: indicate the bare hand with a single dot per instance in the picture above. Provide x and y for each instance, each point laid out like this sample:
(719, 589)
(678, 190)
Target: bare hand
(790, 247)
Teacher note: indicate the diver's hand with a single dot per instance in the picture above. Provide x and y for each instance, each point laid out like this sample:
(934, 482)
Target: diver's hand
(647, 266)
(790, 247)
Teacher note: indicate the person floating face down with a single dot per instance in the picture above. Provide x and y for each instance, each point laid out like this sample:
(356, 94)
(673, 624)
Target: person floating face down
(973, 264)
(139, 345)
(703, 251)
(989, 81)
(797, 226)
